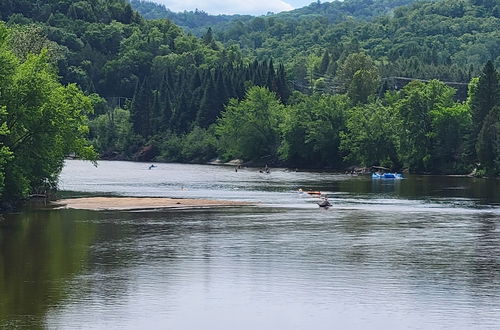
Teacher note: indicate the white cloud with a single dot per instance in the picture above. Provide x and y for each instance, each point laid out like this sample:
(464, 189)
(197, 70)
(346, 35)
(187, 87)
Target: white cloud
(254, 7)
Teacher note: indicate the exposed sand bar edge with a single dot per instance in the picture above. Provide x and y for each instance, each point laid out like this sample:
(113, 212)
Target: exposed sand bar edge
(142, 203)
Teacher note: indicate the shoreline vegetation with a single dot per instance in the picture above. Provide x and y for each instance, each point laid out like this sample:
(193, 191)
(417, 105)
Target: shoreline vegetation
(95, 79)
(142, 203)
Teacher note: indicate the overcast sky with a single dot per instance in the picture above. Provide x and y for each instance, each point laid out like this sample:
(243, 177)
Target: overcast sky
(254, 7)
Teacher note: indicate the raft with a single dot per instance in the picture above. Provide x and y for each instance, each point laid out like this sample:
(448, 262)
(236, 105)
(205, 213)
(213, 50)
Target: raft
(387, 176)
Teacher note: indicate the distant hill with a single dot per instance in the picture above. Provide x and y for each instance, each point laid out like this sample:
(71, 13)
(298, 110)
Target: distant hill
(338, 10)
(196, 22)
(446, 39)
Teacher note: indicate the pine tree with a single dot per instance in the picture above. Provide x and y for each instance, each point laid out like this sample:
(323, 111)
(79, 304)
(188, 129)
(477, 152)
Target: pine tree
(156, 113)
(166, 113)
(325, 62)
(208, 37)
(140, 109)
(282, 85)
(488, 143)
(271, 77)
(210, 107)
(486, 97)
(180, 120)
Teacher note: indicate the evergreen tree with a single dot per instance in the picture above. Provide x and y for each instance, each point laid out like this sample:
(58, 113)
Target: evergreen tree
(488, 143)
(166, 113)
(282, 85)
(156, 113)
(487, 95)
(180, 121)
(208, 37)
(325, 62)
(140, 109)
(210, 106)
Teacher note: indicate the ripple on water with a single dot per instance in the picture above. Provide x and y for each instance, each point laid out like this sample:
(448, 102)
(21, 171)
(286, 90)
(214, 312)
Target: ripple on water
(421, 253)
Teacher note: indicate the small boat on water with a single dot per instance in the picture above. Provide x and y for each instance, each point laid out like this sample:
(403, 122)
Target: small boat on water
(387, 176)
(324, 203)
(310, 192)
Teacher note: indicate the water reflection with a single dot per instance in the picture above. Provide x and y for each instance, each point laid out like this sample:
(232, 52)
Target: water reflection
(421, 253)
(38, 252)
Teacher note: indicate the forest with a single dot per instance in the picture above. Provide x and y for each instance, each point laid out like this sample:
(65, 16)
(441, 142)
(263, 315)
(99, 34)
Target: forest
(402, 84)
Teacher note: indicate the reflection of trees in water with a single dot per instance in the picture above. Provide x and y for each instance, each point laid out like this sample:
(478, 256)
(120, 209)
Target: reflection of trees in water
(38, 253)
(125, 243)
(486, 190)
(486, 261)
(47, 258)
(429, 251)
(454, 257)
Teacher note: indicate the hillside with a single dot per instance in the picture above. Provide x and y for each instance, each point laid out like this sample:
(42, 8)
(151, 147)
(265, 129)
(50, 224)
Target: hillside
(196, 22)
(337, 11)
(447, 39)
(160, 93)
(444, 39)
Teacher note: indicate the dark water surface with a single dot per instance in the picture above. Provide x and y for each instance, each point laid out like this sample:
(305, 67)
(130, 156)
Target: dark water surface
(420, 253)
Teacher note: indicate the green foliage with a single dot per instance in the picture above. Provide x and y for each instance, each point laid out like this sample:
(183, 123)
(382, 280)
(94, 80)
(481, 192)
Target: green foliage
(112, 131)
(488, 143)
(249, 129)
(372, 136)
(5, 153)
(198, 146)
(42, 122)
(418, 100)
(484, 97)
(444, 39)
(311, 131)
(421, 128)
(169, 87)
(195, 22)
(450, 126)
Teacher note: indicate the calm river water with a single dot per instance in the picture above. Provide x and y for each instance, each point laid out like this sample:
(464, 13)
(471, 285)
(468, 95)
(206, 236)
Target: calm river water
(419, 253)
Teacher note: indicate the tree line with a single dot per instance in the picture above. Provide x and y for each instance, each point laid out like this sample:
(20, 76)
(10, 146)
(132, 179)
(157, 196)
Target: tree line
(41, 122)
(421, 127)
(447, 39)
(321, 102)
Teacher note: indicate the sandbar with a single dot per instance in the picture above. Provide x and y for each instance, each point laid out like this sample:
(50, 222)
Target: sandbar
(142, 203)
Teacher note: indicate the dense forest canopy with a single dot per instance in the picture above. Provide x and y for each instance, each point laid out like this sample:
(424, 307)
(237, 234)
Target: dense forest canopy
(448, 39)
(41, 121)
(328, 85)
(444, 39)
(196, 22)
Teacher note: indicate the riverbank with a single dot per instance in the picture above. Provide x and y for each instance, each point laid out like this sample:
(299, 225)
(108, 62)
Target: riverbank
(141, 203)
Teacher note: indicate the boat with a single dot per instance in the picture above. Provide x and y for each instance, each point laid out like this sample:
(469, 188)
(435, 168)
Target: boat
(387, 176)
(324, 203)
(310, 192)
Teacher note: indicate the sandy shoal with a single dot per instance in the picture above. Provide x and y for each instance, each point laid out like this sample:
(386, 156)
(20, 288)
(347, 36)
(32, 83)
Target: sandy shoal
(142, 203)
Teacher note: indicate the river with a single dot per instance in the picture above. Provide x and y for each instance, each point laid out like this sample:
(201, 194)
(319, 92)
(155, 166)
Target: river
(418, 253)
